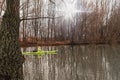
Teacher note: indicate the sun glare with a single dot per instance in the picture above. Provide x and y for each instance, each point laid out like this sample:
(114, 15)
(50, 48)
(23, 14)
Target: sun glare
(69, 11)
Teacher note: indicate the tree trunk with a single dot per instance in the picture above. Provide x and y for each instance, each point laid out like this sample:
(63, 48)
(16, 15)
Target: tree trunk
(11, 59)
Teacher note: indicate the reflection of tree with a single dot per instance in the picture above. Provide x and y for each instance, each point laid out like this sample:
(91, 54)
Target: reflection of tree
(113, 59)
(85, 62)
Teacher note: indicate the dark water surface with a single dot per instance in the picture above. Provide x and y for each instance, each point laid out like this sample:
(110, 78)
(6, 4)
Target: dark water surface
(89, 62)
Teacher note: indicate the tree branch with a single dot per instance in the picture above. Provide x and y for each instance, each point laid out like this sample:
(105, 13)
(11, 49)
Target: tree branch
(40, 18)
(52, 1)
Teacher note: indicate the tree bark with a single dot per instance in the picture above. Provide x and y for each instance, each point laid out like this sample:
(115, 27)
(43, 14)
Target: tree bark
(11, 59)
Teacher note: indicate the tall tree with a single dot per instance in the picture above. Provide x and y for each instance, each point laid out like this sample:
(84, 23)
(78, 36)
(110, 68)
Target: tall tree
(11, 59)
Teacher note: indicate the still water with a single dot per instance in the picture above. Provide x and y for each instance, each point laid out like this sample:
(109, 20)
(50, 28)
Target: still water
(89, 62)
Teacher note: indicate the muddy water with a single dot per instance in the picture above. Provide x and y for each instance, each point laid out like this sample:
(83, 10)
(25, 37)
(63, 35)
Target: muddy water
(90, 62)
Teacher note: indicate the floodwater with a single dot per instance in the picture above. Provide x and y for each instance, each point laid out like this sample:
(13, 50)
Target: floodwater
(85, 62)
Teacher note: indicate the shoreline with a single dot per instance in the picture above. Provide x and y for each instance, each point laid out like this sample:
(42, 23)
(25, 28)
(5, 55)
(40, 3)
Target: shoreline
(59, 43)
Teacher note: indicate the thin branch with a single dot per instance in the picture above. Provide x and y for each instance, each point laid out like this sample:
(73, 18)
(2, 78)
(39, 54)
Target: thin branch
(40, 18)
(52, 1)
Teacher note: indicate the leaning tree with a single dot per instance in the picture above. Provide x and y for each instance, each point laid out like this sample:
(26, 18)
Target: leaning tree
(11, 59)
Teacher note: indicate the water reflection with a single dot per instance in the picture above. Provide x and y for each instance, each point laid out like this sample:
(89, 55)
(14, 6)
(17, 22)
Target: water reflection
(90, 62)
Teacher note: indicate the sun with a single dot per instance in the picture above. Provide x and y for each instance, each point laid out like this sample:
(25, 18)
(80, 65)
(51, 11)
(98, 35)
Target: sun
(69, 11)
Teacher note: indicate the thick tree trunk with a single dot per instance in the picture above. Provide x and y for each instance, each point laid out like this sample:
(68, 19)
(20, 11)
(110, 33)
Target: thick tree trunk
(11, 59)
